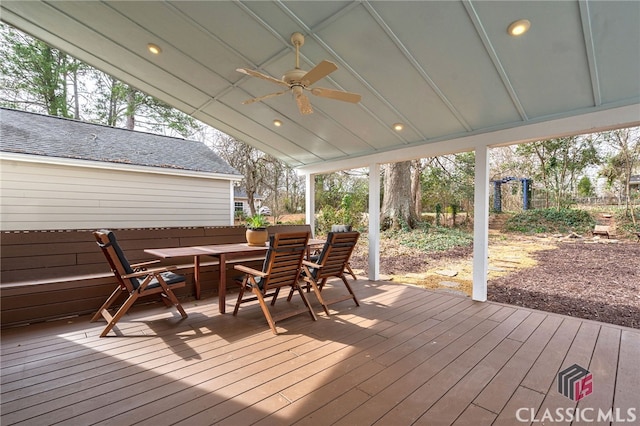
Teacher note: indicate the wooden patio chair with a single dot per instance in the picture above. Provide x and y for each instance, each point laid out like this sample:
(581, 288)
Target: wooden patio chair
(332, 262)
(281, 268)
(135, 281)
(345, 228)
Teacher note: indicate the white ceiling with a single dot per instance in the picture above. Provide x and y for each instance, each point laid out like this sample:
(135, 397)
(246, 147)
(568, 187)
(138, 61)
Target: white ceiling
(446, 69)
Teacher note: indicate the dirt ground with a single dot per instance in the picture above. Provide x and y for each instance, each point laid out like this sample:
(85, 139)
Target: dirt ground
(590, 278)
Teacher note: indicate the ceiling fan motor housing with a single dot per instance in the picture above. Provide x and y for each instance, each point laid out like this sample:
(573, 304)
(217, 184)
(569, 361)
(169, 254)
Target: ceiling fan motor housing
(294, 76)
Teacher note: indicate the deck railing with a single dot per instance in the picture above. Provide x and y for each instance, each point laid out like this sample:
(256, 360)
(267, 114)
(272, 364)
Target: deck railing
(55, 274)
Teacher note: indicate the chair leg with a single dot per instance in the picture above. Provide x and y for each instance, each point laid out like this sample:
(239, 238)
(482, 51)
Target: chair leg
(350, 271)
(107, 304)
(243, 286)
(275, 296)
(119, 314)
(311, 282)
(168, 293)
(353, 295)
(290, 294)
(322, 283)
(307, 304)
(165, 299)
(265, 310)
(172, 297)
(292, 290)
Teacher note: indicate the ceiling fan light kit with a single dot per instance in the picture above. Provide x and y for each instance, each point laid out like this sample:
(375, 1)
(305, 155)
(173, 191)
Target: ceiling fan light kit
(298, 81)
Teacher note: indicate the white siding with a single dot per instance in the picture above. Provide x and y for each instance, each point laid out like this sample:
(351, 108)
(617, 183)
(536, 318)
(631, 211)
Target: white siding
(37, 196)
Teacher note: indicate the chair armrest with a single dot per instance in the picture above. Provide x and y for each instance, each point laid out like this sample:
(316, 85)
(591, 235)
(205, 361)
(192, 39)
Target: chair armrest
(250, 271)
(153, 271)
(137, 266)
(311, 264)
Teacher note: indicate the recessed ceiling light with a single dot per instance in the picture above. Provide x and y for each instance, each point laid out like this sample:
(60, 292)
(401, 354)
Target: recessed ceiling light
(519, 27)
(277, 123)
(154, 48)
(398, 127)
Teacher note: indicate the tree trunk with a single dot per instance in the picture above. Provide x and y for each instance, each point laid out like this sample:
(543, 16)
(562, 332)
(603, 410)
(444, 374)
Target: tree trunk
(397, 207)
(416, 188)
(131, 108)
(76, 97)
(112, 114)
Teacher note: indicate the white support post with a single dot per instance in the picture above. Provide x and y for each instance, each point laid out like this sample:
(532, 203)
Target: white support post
(310, 201)
(481, 225)
(374, 221)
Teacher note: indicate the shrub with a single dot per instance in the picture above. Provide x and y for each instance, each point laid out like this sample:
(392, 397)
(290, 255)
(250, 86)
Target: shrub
(329, 216)
(551, 220)
(429, 239)
(625, 224)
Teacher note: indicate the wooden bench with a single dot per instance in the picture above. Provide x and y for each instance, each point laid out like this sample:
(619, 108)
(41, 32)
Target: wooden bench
(55, 274)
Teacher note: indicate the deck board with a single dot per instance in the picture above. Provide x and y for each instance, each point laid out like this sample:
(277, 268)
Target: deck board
(405, 356)
(496, 394)
(603, 366)
(545, 368)
(580, 352)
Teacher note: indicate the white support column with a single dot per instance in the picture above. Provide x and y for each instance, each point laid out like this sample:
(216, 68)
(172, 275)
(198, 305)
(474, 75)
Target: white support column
(374, 221)
(481, 225)
(310, 201)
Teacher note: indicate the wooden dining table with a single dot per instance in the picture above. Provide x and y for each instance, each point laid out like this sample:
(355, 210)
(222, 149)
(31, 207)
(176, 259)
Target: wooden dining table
(223, 252)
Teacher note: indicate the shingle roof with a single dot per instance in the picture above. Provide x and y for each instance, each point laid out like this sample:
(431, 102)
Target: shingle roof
(36, 134)
(242, 193)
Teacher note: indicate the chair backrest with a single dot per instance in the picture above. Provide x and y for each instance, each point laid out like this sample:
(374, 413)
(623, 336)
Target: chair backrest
(117, 260)
(284, 257)
(336, 253)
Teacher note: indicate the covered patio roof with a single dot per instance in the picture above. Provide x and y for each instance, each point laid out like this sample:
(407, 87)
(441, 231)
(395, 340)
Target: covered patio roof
(447, 70)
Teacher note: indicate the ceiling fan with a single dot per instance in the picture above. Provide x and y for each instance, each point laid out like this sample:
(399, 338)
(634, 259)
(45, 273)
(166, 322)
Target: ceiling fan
(298, 80)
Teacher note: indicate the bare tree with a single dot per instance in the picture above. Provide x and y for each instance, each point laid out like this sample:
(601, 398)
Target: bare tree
(620, 166)
(560, 163)
(249, 161)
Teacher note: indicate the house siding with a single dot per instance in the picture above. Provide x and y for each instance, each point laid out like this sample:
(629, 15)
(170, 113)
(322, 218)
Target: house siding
(39, 196)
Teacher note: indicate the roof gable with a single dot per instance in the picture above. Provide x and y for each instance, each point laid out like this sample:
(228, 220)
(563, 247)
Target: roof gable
(49, 136)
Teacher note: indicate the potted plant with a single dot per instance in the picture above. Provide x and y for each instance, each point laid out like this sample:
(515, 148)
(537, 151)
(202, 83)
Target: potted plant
(257, 234)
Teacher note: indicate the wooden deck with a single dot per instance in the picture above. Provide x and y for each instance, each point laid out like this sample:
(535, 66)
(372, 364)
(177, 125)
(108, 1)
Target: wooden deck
(405, 356)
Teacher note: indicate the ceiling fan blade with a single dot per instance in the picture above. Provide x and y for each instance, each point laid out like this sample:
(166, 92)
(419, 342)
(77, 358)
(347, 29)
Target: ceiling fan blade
(321, 70)
(253, 73)
(262, 98)
(303, 104)
(337, 94)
